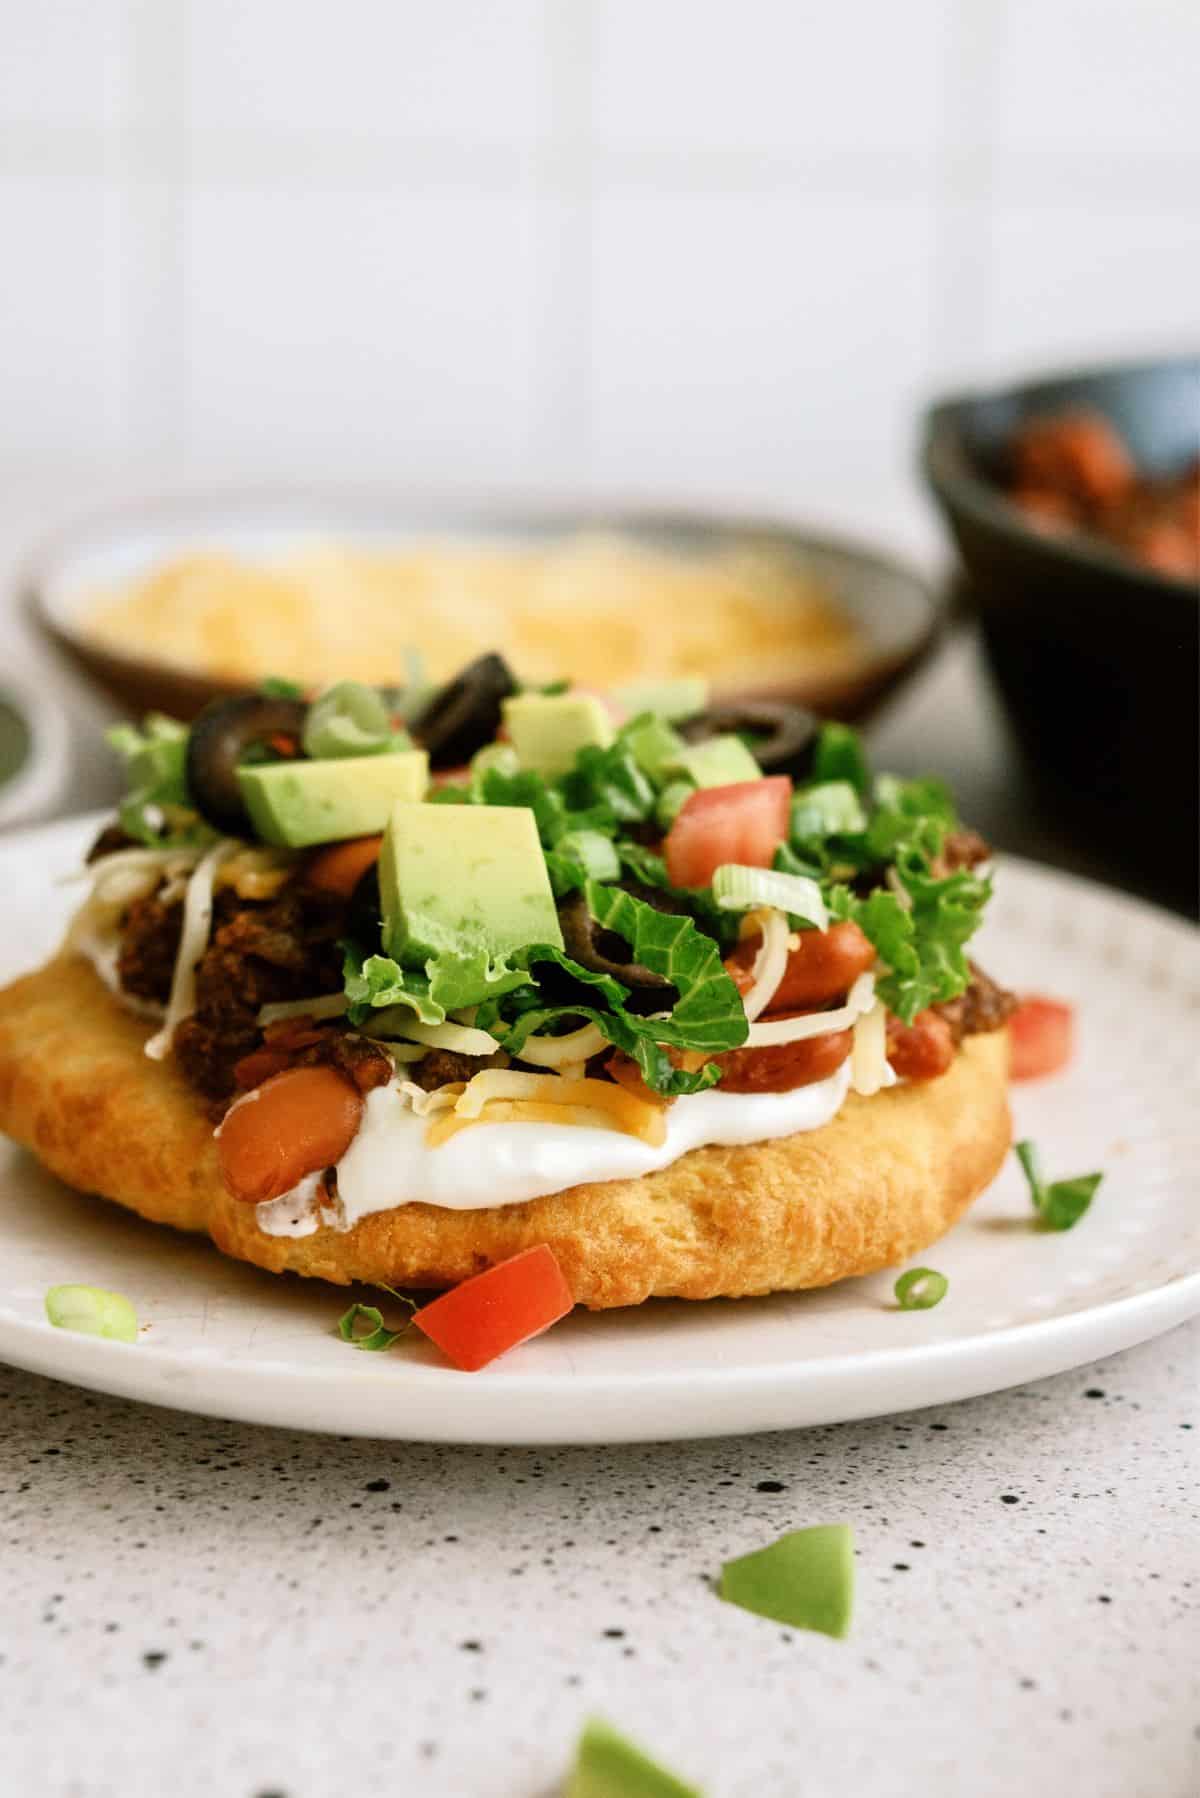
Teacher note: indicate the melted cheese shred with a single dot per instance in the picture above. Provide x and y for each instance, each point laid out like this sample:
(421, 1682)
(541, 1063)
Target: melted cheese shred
(193, 941)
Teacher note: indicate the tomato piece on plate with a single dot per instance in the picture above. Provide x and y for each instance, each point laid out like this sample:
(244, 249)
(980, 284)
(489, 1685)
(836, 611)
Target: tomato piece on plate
(1043, 1037)
(495, 1311)
(743, 823)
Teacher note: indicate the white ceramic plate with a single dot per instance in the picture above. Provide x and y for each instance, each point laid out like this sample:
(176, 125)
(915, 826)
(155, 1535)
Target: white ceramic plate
(231, 1341)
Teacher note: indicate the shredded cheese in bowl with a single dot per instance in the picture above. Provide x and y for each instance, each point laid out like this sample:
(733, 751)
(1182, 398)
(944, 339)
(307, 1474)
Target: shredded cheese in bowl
(603, 607)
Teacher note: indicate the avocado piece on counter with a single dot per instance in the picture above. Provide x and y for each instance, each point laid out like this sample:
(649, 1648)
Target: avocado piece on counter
(296, 804)
(464, 879)
(805, 1579)
(719, 762)
(609, 1766)
(548, 730)
(671, 700)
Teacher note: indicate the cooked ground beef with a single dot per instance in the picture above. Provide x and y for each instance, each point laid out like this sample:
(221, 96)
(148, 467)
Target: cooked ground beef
(259, 954)
(111, 838)
(441, 1066)
(984, 1006)
(149, 945)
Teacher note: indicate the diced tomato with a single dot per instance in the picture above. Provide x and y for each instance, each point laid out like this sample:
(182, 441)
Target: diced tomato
(745, 823)
(921, 1050)
(781, 1067)
(824, 965)
(339, 868)
(1042, 1032)
(495, 1311)
(294, 1124)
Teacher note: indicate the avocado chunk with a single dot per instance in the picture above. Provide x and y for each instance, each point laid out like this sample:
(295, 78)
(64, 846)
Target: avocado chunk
(464, 879)
(672, 700)
(656, 747)
(609, 1766)
(719, 762)
(805, 1579)
(548, 730)
(295, 804)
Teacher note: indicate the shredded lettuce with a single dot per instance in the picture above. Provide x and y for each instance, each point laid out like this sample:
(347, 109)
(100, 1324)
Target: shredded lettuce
(707, 1014)
(839, 755)
(610, 778)
(922, 942)
(449, 983)
(157, 808)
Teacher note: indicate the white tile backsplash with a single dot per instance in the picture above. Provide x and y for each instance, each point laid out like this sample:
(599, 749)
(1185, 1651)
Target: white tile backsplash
(341, 333)
(748, 337)
(461, 68)
(790, 78)
(627, 244)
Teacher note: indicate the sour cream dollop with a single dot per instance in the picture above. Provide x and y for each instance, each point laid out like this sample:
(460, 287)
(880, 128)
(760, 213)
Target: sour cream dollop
(389, 1163)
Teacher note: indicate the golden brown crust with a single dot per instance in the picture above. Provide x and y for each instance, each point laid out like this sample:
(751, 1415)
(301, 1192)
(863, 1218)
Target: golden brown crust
(885, 1179)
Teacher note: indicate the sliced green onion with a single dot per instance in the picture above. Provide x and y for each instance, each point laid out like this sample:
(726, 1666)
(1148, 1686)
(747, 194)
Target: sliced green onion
(349, 719)
(499, 756)
(609, 1765)
(671, 802)
(363, 1325)
(1061, 1204)
(744, 889)
(920, 1289)
(673, 700)
(92, 1311)
(592, 851)
(831, 809)
(806, 1579)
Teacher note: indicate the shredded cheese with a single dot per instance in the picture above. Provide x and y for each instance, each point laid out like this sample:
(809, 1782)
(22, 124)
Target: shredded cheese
(561, 1052)
(329, 1005)
(621, 1109)
(869, 1070)
(770, 964)
(425, 1103)
(460, 1039)
(193, 941)
(860, 999)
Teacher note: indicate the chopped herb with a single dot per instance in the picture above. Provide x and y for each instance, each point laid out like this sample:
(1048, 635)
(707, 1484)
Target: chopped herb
(363, 1325)
(1060, 1205)
(91, 1311)
(920, 1289)
(805, 1579)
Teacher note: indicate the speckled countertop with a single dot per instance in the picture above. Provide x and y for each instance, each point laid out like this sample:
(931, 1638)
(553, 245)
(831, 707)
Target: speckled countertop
(190, 1607)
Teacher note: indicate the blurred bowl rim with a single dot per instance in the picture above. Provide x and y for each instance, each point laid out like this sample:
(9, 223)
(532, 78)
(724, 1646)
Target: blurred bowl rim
(321, 512)
(949, 470)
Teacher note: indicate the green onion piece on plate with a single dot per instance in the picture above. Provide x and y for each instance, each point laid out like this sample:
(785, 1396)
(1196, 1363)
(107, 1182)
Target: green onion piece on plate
(1060, 1205)
(806, 1579)
(920, 1289)
(363, 1325)
(607, 1765)
(92, 1311)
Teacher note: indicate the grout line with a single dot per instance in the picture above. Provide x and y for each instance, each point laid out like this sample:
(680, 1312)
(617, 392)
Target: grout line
(155, 168)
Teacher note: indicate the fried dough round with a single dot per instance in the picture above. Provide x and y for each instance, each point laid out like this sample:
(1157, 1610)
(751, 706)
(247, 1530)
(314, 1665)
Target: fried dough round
(885, 1179)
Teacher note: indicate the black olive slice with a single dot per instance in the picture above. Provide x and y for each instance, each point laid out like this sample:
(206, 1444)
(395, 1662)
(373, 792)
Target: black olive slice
(364, 914)
(217, 742)
(601, 950)
(781, 736)
(463, 716)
